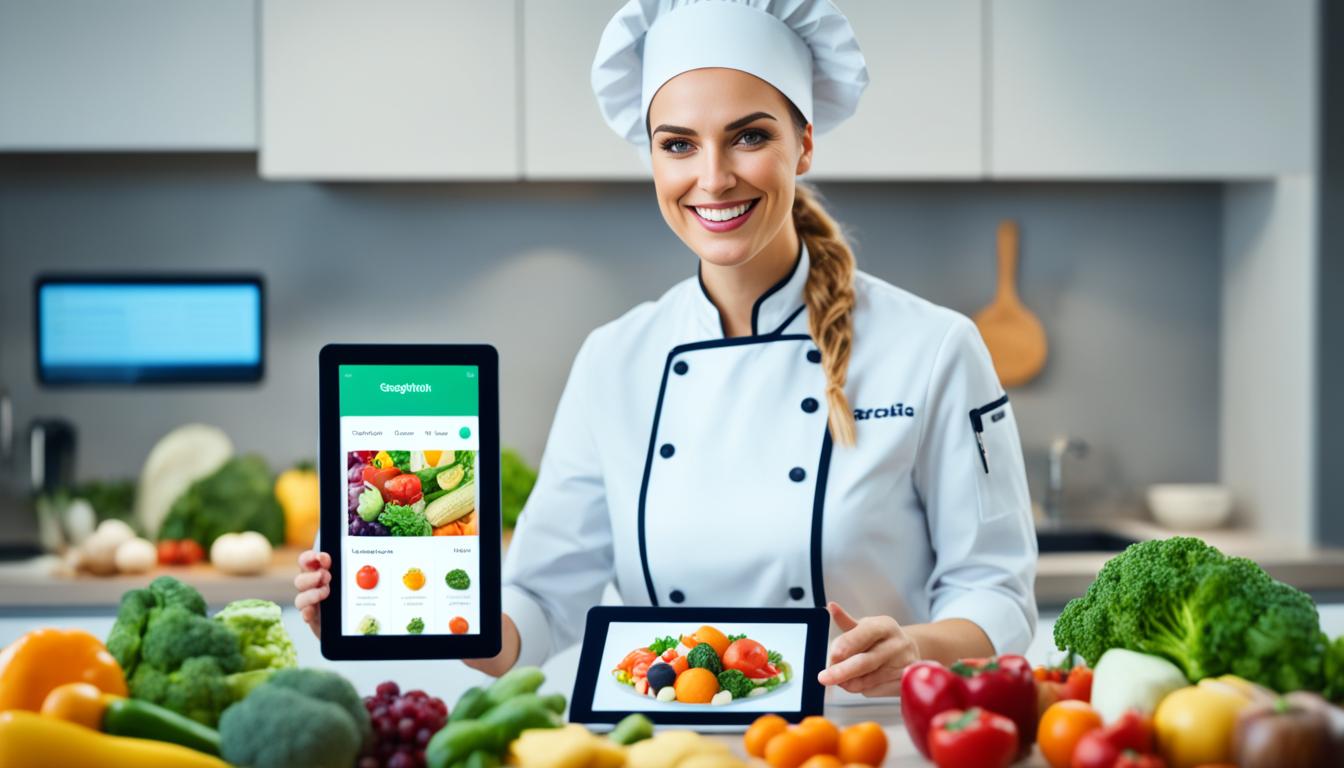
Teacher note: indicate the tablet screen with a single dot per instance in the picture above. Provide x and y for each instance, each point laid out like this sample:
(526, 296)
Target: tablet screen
(766, 655)
(410, 551)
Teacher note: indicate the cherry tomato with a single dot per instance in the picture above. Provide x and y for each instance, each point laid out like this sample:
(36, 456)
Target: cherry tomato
(458, 626)
(170, 553)
(367, 577)
(190, 551)
(747, 656)
(1079, 684)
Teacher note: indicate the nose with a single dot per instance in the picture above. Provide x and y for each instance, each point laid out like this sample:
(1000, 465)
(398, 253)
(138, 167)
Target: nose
(716, 174)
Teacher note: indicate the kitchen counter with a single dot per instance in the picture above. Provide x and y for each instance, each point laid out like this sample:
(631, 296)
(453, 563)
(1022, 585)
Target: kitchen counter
(1059, 576)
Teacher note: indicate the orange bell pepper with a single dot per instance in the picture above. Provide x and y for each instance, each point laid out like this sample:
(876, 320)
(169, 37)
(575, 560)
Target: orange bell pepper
(46, 658)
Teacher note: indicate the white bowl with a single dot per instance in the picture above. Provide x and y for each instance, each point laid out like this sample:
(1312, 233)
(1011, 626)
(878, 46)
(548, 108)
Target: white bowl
(1190, 506)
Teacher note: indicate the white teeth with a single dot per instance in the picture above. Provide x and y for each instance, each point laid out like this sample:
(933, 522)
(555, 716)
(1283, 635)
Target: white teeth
(722, 214)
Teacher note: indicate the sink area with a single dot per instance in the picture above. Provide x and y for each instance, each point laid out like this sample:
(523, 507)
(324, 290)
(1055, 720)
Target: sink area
(1052, 540)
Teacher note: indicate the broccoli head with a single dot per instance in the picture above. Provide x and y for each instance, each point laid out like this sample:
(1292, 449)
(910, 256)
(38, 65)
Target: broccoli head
(198, 689)
(705, 657)
(327, 686)
(1333, 689)
(1207, 613)
(262, 638)
(174, 635)
(736, 683)
(279, 727)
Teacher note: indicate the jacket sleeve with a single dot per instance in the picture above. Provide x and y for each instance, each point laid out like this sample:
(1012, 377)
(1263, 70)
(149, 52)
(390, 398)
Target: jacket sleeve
(970, 477)
(560, 558)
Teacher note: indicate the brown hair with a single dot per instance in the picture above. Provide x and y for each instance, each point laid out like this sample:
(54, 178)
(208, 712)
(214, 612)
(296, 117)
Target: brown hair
(829, 295)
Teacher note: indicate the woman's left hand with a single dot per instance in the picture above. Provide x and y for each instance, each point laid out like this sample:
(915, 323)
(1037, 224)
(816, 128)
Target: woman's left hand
(869, 656)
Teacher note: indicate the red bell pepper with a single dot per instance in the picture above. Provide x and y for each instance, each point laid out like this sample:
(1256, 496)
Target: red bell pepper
(378, 477)
(1104, 747)
(1004, 685)
(975, 738)
(402, 489)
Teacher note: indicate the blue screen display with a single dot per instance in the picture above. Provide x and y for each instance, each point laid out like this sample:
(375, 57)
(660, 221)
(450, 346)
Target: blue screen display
(128, 332)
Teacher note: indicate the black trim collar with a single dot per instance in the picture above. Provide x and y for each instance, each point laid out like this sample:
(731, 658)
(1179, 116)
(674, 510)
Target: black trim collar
(777, 307)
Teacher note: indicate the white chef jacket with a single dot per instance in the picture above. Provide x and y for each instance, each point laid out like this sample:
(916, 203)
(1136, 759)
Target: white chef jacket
(697, 470)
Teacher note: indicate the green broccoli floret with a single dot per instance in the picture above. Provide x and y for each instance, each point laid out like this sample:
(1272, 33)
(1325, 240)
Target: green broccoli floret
(125, 638)
(327, 686)
(1209, 614)
(168, 591)
(405, 521)
(1333, 689)
(278, 727)
(198, 689)
(261, 636)
(174, 635)
(416, 626)
(705, 657)
(457, 579)
(736, 683)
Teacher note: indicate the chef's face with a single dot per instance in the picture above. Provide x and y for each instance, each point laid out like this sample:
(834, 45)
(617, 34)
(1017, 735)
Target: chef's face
(726, 150)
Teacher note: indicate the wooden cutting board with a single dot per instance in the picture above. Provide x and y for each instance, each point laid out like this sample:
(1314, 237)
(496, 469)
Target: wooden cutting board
(1014, 335)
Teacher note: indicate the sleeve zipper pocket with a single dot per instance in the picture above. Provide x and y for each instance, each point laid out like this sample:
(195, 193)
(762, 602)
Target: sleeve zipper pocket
(978, 426)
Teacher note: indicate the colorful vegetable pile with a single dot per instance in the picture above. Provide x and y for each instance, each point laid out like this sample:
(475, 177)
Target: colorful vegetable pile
(411, 493)
(705, 667)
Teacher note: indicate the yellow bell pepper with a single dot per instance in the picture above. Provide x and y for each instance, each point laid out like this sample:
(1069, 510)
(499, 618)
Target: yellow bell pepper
(1196, 725)
(29, 740)
(46, 658)
(296, 490)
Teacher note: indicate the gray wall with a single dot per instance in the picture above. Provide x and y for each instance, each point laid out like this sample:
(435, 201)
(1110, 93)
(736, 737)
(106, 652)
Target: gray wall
(1123, 276)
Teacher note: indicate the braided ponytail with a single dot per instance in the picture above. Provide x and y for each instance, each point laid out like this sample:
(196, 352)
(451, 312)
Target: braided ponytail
(829, 295)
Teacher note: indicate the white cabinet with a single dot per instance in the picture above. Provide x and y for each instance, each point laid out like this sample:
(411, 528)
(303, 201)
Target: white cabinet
(922, 113)
(564, 135)
(395, 89)
(1151, 88)
(80, 75)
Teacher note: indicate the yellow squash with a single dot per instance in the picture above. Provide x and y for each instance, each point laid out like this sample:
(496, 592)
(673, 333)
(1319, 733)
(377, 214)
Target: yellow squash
(46, 658)
(296, 490)
(29, 740)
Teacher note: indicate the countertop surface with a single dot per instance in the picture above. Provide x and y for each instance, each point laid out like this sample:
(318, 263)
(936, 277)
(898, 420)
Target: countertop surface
(36, 584)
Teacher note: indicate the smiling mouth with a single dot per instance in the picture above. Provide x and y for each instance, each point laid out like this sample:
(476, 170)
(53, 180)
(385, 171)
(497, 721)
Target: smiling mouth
(719, 215)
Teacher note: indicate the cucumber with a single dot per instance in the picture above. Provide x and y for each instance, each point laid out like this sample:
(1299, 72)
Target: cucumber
(513, 683)
(146, 720)
(481, 759)
(516, 715)
(556, 702)
(471, 706)
(456, 741)
(631, 729)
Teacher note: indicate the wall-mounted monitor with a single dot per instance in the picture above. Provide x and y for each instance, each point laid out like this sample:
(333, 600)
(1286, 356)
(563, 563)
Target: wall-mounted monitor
(143, 329)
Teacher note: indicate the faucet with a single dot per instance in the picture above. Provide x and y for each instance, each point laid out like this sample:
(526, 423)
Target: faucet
(1061, 446)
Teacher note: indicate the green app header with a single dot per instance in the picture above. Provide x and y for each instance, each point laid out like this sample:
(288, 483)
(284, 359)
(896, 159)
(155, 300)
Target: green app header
(409, 390)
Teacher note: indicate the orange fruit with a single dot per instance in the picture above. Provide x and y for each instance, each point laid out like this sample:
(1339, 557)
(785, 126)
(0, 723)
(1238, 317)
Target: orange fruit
(716, 639)
(822, 761)
(1062, 726)
(821, 734)
(696, 686)
(761, 732)
(787, 750)
(863, 743)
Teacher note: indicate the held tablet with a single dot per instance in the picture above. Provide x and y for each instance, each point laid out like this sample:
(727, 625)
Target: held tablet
(779, 650)
(409, 474)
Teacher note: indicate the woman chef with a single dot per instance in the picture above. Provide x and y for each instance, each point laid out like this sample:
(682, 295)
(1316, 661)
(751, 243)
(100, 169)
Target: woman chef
(780, 430)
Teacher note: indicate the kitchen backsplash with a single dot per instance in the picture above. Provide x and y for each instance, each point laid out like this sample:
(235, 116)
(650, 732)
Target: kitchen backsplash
(1124, 277)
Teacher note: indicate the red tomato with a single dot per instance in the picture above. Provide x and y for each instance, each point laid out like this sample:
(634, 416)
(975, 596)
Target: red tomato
(975, 738)
(1102, 747)
(1079, 684)
(669, 654)
(367, 577)
(1131, 759)
(747, 656)
(378, 477)
(403, 489)
(190, 551)
(458, 626)
(169, 552)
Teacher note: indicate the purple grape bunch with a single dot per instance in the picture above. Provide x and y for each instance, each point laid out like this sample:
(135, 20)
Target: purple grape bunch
(402, 726)
(354, 481)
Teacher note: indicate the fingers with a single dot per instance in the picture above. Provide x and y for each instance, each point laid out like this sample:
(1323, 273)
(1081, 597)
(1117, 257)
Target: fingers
(312, 560)
(841, 617)
(885, 681)
(311, 580)
(853, 667)
(865, 635)
(311, 597)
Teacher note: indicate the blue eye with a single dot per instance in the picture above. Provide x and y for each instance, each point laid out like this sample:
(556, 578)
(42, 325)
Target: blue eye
(671, 146)
(756, 136)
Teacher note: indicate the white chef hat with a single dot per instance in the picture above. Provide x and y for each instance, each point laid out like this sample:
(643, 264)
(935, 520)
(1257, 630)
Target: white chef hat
(804, 48)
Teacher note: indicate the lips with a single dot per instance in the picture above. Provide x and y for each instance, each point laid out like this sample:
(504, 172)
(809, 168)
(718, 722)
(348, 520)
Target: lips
(721, 217)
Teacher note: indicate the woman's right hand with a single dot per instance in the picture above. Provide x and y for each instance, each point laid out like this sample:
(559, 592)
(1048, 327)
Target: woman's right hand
(314, 585)
(509, 646)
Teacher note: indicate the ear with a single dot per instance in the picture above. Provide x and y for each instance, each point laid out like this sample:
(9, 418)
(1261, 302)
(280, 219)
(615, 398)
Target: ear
(805, 159)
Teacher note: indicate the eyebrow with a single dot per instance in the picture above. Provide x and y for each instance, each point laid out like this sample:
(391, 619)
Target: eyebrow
(738, 123)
